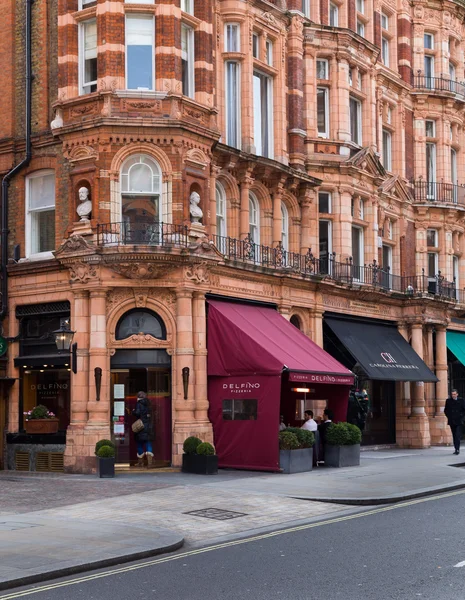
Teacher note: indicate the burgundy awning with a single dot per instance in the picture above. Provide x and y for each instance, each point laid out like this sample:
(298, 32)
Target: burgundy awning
(245, 339)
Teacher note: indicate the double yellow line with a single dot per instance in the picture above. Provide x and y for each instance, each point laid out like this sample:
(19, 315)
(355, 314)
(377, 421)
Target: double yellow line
(182, 555)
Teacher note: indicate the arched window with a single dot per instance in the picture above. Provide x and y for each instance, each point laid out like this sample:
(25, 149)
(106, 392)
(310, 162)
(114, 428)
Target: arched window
(221, 229)
(140, 321)
(284, 226)
(254, 218)
(140, 190)
(295, 320)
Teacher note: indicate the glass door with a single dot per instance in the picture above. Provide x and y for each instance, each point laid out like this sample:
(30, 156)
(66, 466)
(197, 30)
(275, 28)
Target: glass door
(125, 384)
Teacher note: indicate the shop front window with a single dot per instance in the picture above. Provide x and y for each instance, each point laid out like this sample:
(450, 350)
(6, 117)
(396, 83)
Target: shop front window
(51, 388)
(240, 410)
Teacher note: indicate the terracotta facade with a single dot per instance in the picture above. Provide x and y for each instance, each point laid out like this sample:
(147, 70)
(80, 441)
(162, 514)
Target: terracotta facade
(325, 141)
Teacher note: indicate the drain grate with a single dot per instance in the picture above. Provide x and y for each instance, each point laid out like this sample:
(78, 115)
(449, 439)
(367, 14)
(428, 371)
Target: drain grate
(216, 513)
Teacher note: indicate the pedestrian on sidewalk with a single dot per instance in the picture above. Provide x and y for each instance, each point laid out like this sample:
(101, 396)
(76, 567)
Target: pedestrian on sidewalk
(144, 436)
(455, 413)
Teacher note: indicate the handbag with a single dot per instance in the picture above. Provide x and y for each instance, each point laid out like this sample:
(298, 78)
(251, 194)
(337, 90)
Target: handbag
(137, 426)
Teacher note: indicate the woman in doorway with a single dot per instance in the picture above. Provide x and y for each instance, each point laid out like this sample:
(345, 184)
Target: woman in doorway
(144, 436)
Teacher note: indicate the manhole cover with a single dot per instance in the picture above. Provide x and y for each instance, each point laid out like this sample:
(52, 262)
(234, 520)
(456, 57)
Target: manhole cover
(10, 526)
(216, 513)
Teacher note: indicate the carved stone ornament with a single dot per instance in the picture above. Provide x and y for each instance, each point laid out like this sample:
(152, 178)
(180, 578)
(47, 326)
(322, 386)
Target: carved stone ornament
(75, 243)
(140, 296)
(117, 296)
(197, 273)
(140, 270)
(81, 272)
(80, 153)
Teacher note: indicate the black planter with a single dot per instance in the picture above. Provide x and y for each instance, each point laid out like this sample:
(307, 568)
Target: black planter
(200, 464)
(342, 456)
(296, 461)
(105, 467)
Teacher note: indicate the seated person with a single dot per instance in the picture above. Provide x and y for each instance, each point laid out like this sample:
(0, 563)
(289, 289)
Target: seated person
(309, 424)
(323, 427)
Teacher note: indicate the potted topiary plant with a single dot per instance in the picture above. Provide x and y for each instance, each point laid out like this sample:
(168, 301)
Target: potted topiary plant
(105, 451)
(342, 448)
(199, 457)
(295, 450)
(40, 420)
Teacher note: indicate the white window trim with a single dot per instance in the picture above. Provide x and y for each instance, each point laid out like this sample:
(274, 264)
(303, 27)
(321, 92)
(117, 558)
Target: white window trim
(436, 265)
(187, 6)
(324, 134)
(256, 45)
(359, 122)
(389, 249)
(238, 36)
(253, 200)
(385, 17)
(220, 191)
(456, 271)
(385, 50)
(306, 8)
(191, 60)
(335, 9)
(29, 254)
(136, 16)
(143, 193)
(330, 202)
(237, 107)
(284, 227)
(81, 58)
(270, 124)
(360, 28)
(431, 37)
(361, 248)
(434, 128)
(360, 3)
(326, 69)
(269, 52)
(387, 151)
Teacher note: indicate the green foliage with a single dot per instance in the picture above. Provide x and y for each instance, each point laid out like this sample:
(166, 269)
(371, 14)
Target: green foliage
(306, 438)
(190, 445)
(101, 443)
(39, 412)
(343, 434)
(106, 452)
(206, 449)
(288, 440)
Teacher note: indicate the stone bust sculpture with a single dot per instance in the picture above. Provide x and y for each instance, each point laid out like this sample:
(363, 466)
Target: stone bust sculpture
(85, 207)
(194, 208)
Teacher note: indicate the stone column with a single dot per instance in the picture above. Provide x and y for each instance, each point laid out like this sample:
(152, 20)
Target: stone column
(318, 327)
(430, 387)
(440, 432)
(185, 355)
(79, 381)
(244, 225)
(419, 436)
(98, 424)
(200, 358)
(277, 216)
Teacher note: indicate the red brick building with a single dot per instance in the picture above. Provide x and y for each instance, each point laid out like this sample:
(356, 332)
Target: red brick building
(325, 142)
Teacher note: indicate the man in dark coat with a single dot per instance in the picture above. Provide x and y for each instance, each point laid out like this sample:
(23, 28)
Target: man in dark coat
(143, 412)
(455, 413)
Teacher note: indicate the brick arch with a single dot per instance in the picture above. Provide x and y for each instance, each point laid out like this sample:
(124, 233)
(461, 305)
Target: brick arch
(142, 148)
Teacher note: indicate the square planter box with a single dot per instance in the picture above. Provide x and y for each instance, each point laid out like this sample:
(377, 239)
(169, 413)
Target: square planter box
(296, 461)
(200, 464)
(342, 456)
(105, 467)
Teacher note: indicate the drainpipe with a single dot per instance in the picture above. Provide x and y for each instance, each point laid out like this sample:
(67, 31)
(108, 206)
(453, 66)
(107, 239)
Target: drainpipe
(26, 160)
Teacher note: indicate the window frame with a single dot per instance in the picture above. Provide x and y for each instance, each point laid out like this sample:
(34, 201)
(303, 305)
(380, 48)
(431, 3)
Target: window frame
(323, 134)
(253, 202)
(187, 6)
(355, 101)
(30, 232)
(237, 36)
(269, 107)
(190, 62)
(325, 62)
(384, 19)
(157, 194)
(385, 50)
(284, 227)
(435, 235)
(333, 10)
(430, 36)
(221, 215)
(306, 8)
(81, 57)
(360, 28)
(387, 149)
(132, 17)
(269, 47)
(360, 6)
(236, 106)
(329, 201)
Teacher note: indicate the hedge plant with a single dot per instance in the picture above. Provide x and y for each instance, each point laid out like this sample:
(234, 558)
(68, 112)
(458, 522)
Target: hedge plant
(288, 440)
(305, 438)
(101, 443)
(190, 445)
(205, 449)
(106, 452)
(343, 434)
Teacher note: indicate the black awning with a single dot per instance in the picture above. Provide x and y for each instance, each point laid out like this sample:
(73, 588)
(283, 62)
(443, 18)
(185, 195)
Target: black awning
(39, 360)
(381, 351)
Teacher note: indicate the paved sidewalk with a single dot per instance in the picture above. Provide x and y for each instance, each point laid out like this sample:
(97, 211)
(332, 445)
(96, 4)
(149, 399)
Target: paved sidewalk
(51, 525)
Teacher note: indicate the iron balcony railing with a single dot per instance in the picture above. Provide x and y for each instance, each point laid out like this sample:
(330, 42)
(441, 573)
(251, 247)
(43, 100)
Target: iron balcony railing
(345, 272)
(438, 84)
(434, 191)
(142, 233)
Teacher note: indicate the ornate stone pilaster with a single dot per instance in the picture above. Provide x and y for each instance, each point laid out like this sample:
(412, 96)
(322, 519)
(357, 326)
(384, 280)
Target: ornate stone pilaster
(440, 432)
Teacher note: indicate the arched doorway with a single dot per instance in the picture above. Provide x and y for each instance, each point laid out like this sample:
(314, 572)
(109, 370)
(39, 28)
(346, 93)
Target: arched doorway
(136, 370)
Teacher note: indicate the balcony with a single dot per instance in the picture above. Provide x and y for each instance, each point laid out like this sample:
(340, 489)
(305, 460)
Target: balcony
(438, 84)
(142, 234)
(440, 192)
(328, 268)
